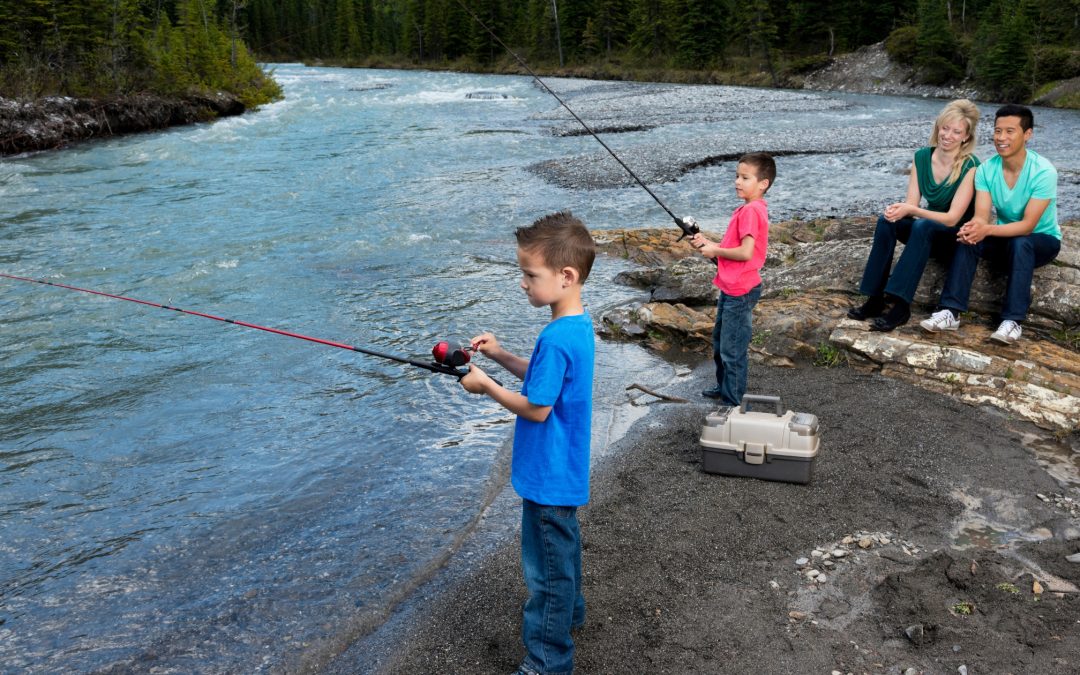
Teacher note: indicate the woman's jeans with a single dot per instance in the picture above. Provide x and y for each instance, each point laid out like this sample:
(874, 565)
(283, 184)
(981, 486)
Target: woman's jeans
(923, 238)
(1016, 256)
(551, 561)
(731, 343)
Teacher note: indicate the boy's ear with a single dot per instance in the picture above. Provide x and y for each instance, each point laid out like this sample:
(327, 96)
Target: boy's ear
(569, 275)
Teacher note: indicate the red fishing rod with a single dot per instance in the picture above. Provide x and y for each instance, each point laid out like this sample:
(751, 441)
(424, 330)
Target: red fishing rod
(448, 357)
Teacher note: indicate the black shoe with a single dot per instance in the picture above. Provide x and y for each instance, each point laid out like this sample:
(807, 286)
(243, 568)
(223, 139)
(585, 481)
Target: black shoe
(874, 306)
(897, 316)
(712, 393)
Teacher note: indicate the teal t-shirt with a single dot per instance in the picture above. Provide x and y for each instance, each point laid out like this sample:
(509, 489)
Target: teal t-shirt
(1037, 180)
(939, 196)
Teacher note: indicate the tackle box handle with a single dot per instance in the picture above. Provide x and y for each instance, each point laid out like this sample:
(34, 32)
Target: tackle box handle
(747, 399)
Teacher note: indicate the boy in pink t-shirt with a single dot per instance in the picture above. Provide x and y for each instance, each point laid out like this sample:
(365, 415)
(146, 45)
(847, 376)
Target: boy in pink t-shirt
(739, 257)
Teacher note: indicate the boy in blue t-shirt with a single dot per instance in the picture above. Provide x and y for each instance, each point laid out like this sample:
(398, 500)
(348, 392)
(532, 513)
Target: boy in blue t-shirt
(1021, 186)
(550, 465)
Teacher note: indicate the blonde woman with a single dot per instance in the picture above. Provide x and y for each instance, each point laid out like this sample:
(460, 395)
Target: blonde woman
(943, 174)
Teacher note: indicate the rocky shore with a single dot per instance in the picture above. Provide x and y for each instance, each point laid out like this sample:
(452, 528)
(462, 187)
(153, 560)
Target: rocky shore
(940, 531)
(54, 122)
(811, 279)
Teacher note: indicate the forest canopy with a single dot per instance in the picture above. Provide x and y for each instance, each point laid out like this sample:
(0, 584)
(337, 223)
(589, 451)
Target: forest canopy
(100, 47)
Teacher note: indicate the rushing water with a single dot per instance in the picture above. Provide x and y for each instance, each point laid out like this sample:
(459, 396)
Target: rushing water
(183, 495)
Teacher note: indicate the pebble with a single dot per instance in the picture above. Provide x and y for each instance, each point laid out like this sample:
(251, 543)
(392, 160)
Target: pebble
(1074, 558)
(962, 670)
(810, 574)
(839, 553)
(797, 615)
(802, 561)
(847, 540)
(911, 671)
(821, 578)
(829, 563)
(865, 542)
(817, 553)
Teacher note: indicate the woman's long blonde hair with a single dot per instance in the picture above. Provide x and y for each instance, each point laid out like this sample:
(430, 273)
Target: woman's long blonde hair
(960, 109)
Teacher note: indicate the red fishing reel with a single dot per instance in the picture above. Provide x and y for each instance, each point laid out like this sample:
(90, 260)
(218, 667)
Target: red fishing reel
(449, 354)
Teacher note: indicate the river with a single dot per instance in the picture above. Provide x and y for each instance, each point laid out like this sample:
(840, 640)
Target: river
(182, 495)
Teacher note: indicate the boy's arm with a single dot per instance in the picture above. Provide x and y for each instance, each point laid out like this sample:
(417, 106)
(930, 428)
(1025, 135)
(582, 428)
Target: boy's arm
(489, 346)
(744, 251)
(478, 382)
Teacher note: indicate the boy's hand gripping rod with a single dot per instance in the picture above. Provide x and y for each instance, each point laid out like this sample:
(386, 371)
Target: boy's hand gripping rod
(447, 357)
(687, 225)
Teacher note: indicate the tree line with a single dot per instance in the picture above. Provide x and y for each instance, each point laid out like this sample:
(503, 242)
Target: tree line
(92, 47)
(1007, 47)
(97, 48)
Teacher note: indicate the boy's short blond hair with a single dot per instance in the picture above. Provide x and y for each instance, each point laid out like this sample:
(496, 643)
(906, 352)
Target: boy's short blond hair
(562, 240)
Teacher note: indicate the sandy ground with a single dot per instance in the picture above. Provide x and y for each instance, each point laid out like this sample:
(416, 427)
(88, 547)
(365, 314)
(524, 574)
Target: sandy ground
(688, 572)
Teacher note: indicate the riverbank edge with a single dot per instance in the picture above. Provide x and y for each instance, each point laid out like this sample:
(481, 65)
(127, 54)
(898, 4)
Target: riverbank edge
(55, 122)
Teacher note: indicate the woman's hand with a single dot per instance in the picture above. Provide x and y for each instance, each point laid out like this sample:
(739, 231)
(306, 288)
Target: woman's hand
(894, 212)
(973, 231)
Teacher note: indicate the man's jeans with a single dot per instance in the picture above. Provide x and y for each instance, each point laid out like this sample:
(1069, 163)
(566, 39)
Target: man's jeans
(731, 342)
(923, 238)
(551, 561)
(1016, 256)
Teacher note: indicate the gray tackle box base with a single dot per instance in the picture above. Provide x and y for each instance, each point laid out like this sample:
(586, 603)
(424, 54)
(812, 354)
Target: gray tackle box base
(778, 445)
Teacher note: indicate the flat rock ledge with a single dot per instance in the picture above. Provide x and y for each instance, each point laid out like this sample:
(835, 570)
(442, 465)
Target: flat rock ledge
(55, 121)
(811, 279)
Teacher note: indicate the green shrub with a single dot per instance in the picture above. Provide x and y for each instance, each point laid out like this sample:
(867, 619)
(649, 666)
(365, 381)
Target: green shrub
(807, 64)
(938, 70)
(901, 44)
(1054, 62)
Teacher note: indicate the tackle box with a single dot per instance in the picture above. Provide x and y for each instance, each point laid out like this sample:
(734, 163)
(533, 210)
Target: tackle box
(776, 445)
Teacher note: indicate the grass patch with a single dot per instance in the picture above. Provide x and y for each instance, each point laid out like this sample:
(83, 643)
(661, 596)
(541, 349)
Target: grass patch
(828, 356)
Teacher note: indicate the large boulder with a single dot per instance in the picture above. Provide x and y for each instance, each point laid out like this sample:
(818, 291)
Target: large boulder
(811, 278)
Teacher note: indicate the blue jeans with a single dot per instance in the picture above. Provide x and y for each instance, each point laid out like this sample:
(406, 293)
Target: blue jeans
(1017, 257)
(731, 341)
(551, 561)
(923, 238)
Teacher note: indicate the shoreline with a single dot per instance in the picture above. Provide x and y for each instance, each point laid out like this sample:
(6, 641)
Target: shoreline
(692, 572)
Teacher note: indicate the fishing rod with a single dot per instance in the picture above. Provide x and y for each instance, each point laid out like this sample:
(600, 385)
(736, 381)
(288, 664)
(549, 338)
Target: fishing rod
(448, 357)
(687, 225)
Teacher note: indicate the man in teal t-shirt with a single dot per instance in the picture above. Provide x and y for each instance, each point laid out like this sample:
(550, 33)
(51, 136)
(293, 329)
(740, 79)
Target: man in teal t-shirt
(1021, 186)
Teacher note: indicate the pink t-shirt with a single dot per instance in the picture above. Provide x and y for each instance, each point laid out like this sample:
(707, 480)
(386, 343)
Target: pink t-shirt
(739, 277)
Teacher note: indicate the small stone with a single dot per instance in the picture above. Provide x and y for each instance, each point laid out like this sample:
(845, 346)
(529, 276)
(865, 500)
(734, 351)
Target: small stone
(1042, 496)
(821, 578)
(802, 561)
(839, 553)
(810, 574)
(911, 671)
(962, 670)
(956, 649)
(885, 541)
(796, 615)
(817, 553)
(1036, 587)
(1074, 558)
(865, 542)
(829, 563)
(837, 672)
(773, 585)
(915, 633)
(847, 540)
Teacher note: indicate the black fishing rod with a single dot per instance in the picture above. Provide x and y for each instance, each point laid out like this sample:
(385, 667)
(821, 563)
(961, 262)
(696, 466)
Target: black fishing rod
(448, 357)
(687, 225)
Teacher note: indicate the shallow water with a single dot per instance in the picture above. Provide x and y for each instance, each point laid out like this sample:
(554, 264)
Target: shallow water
(179, 494)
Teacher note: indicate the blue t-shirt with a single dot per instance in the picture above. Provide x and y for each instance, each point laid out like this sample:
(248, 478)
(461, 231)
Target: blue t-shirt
(551, 458)
(1037, 180)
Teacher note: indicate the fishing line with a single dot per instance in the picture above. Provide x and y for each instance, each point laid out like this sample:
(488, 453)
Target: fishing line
(446, 356)
(688, 227)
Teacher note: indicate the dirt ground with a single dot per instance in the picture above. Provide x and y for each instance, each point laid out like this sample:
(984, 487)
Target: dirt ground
(688, 572)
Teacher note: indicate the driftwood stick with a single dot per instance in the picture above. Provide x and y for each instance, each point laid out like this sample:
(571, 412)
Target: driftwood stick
(663, 397)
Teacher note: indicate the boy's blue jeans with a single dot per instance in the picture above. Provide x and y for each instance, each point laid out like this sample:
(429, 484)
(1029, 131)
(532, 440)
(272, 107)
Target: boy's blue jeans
(731, 343)
(923, 238)
(1018, 256)
(551, 561)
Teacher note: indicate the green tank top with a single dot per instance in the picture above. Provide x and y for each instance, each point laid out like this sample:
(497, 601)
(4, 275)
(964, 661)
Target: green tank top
(939, 196)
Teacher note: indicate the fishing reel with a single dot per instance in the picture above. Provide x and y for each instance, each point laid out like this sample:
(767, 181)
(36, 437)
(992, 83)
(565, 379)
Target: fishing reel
(450, 354)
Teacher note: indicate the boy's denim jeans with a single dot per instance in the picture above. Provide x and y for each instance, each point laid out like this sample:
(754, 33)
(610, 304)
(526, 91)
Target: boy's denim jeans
(731, 342)
(923, 238)
(551, 561)
(1017, 256)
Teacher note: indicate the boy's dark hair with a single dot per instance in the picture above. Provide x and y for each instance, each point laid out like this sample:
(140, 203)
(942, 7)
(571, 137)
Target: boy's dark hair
(1027, 118)
(764, 166)
(562, 240)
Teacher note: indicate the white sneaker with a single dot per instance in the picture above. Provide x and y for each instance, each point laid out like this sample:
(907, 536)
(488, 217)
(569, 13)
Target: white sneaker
(1007, 333)
(940, 320)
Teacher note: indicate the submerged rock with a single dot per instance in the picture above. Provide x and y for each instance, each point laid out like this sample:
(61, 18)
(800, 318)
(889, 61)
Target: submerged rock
(811, 279)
